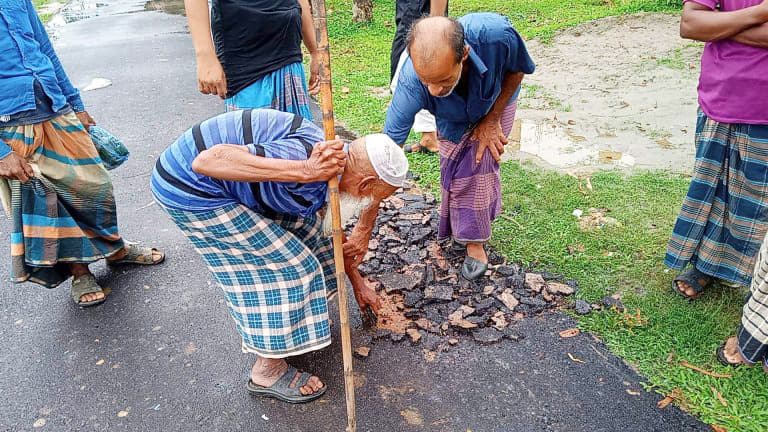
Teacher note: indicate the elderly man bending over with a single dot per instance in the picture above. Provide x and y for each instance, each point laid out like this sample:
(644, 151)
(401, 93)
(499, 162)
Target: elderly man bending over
(248, 188)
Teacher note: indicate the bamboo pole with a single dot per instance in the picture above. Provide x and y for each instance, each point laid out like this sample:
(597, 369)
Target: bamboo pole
(326, 104)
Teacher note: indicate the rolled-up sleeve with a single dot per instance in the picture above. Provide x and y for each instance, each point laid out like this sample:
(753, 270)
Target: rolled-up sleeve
(409, 99)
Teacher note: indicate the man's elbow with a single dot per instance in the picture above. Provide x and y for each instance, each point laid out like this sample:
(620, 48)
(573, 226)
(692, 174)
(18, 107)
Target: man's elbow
(202, 163)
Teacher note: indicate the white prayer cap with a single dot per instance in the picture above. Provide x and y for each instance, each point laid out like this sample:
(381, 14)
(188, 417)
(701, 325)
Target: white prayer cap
(387, 158)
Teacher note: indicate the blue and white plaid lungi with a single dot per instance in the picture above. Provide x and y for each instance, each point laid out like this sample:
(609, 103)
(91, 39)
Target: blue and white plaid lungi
(724, 216)
(277, 273)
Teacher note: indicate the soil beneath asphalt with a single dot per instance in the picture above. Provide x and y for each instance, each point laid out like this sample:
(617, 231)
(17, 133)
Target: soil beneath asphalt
(613, 93)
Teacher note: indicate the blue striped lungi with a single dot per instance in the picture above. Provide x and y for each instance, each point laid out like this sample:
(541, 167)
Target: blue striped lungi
(724, 217)
(277, 273)
(284, 90)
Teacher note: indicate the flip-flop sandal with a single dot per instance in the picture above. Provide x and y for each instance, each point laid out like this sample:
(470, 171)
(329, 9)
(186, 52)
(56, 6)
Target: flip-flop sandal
(86, 284)
(724, 360)
(695, 279)
(139, 255)
(417, 148)
(281, 389)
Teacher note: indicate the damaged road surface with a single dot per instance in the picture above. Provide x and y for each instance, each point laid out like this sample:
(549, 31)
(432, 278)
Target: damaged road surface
(162, 354)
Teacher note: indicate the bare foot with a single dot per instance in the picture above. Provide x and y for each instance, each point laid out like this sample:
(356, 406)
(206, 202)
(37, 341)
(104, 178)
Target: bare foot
(477, 251)
(266, 372)
(78, 270)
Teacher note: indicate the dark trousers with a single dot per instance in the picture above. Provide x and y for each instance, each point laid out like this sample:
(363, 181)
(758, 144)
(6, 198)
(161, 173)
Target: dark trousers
(406, 12)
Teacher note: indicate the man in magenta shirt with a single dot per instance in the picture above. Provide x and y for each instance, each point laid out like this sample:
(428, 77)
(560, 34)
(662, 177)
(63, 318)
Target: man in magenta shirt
(724, 217)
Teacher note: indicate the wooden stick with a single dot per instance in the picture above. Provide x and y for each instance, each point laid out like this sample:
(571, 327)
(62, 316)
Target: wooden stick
(326, 103)
(704, 371)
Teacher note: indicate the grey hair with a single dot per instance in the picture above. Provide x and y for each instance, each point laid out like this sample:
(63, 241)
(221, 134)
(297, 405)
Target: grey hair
(453, 35)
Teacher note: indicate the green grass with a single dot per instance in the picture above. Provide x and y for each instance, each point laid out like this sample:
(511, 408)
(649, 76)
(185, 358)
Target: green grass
(538, 228)
(44, 17)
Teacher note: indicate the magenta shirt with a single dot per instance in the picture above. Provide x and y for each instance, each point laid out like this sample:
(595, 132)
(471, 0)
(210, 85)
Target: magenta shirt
(733, 86)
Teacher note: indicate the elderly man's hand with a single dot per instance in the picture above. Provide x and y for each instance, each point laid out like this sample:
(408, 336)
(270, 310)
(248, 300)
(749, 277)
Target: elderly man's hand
(489, 135)
(367, 297)
(327, 160)
(13, 167)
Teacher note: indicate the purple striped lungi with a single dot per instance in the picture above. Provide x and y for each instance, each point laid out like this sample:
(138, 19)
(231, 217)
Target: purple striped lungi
(471, 192)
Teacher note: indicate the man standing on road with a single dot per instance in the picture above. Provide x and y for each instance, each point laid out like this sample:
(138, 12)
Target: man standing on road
(724, 217)
(53, 184)
(248, 189)
(467, 73)
(406, 13)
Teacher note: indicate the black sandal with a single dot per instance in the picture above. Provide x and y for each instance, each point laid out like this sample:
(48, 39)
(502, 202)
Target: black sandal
(282, 390)
(417, 148)
(695, 279)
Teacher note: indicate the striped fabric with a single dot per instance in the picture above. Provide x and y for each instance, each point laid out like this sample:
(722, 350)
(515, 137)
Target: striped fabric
(753, 332)
(284, 90)
(66, 214)
(277, 274)
(265, 132)
(724, 217)
(471, 192)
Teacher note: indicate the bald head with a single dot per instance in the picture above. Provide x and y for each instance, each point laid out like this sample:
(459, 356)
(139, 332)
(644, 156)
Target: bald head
(434, 40)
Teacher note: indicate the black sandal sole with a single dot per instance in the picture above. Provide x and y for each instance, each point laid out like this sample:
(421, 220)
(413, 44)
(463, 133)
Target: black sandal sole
(258, 390)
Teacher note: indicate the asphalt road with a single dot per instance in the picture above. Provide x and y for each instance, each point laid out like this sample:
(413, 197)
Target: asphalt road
(162, 353)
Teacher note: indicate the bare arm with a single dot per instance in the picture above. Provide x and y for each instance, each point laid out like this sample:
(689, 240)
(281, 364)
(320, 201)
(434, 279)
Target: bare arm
(309, 36)
(509, 86)
(236, 163)
(438, 8)
(210, 74)
(488, 131)
(756, 36)
(700, 23)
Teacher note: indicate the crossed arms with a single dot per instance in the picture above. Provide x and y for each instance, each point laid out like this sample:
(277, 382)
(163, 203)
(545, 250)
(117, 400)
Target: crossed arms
(748, 26)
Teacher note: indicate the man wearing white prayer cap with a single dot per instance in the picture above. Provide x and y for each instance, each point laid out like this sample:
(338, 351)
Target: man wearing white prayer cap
(248, 189)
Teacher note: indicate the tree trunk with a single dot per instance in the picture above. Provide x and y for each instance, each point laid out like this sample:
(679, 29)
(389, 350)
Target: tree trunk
(362, 10)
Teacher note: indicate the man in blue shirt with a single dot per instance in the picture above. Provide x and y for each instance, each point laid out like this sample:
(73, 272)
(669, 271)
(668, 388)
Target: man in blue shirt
(248, 188)
(52, 182)
(467, 73)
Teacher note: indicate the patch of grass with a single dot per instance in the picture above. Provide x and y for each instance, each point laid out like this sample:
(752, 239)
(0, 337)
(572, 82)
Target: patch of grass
(360, 51)
(681, 58)
(539, 230)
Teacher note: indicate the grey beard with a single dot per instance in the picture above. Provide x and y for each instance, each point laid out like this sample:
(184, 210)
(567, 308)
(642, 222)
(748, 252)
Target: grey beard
(351, 206)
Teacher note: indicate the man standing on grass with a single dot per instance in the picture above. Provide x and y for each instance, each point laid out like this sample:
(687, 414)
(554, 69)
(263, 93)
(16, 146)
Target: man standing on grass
(467, 73)
(725, 214)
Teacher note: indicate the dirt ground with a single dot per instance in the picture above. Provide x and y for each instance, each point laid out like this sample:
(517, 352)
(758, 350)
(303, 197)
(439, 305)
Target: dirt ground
(613, 93)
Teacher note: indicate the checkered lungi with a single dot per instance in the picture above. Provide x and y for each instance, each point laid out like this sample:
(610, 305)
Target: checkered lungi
(724, 216)
(277, 273)
(753, 332)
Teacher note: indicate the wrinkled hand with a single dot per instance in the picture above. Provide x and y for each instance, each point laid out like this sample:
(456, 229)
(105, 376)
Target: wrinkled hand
(86, 119)
(366, 297)
(210, 76)
(314, 74)
(13, 167)
(356, 245)
(327, 160)
(489, 136)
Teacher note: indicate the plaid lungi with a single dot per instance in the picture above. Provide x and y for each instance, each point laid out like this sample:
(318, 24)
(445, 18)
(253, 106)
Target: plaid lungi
(66, 213)
(724, 217)
(277, 273)
(471, 192)
(284, 90)
(753, 332)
